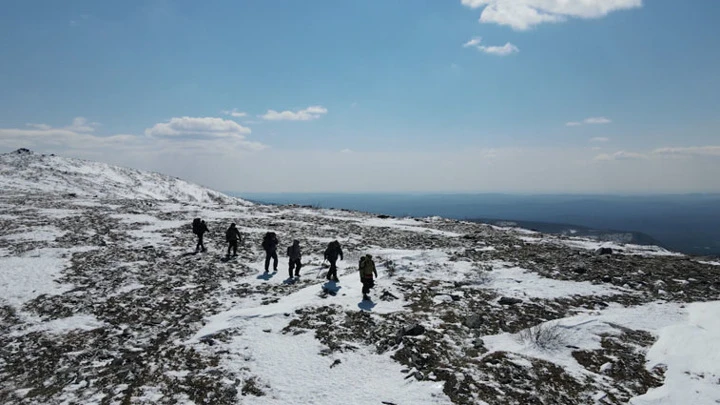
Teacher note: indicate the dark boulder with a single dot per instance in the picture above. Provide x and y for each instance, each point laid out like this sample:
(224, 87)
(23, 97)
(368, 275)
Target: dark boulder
(415, 330)
(509, 301)
(604, 251)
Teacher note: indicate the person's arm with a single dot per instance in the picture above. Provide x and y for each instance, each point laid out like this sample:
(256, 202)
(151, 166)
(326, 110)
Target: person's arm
(374, 270)
(341, 254)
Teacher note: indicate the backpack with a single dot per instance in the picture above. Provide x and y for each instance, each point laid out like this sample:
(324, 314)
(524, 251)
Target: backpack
(268, 240)
(196, 225)
(366, 266)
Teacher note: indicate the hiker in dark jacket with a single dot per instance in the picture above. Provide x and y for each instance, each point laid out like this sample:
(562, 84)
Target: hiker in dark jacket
(269, 244)
(200, 230)
(367, 270)
(232, 236)
(295, 256)
(331, 254)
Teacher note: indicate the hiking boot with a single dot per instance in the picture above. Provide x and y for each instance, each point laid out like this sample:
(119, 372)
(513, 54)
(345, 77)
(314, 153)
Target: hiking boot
(335, 279)
(366, 297)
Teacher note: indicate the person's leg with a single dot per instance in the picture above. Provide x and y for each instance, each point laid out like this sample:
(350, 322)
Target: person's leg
(200, 245)
(267, 261)
(235, 245)
(229, 247)
(275, 260)
(298, 264)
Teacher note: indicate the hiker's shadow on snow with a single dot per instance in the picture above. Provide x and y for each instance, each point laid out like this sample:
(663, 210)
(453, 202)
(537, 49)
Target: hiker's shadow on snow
(289, 280)
(266, 276)
(366, 305)
(331, 288)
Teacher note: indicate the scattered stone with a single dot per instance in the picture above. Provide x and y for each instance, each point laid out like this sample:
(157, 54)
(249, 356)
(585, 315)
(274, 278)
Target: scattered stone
(603, 251)
(473, 321)
(335, 363)
(415, 330)
(388, 296)
(509, 301)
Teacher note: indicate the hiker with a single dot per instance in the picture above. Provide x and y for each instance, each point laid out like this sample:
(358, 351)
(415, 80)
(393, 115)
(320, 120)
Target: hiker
(295, 255)
(367, 270)
(232, 236)
(331, 254)
(199, 229)
(269, 244)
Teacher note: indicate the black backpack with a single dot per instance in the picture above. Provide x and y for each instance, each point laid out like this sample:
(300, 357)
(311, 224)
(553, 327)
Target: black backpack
(268, 239)
(197, 226)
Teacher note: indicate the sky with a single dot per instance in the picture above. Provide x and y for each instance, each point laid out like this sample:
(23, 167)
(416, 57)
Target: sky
(529, 96)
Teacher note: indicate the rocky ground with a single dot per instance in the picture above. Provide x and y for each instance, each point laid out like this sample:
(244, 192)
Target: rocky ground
(105, 302)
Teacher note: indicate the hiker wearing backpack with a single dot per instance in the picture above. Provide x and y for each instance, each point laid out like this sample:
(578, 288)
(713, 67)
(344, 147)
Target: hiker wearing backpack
(331, 254)
(199, 229)
(295, 256)
(232, 236)
(367, 270)
(269, 244)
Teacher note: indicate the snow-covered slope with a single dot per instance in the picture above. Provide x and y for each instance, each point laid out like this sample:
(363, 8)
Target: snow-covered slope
(102, 301)
(24, 171)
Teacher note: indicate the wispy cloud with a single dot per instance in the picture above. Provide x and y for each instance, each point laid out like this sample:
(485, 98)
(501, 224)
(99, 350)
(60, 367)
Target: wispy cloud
(504, 50)
(589, 121)
(688, 151)
(621, 155)
(197, 126)
(234, 113)
(307, 114)
(42, 127)
(525, 14)
(81, 124)
(599, 139)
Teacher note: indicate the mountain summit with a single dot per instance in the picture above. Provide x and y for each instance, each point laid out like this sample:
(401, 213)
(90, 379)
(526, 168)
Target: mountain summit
(24, 171)
(103, 300)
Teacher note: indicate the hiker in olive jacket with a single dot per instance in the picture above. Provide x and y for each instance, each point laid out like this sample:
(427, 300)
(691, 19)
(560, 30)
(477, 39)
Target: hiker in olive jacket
(331, 254)
(232, 236)
(367, 270)
(295, 256)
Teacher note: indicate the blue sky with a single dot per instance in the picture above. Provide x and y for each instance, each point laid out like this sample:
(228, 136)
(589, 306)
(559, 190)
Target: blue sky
(403, 95)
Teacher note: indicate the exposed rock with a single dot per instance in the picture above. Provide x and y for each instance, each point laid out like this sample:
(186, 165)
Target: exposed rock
(509, 301)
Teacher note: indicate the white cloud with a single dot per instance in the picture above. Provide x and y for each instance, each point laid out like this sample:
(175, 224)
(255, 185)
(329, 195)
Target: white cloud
(120, 148)
(346, 151)
(310, 113)
(472, 42)
(525, 14)
(688, 151)
(599, 139)
(504, 50)
(621, 155)
(198, 126)
(597, 120)
(589, 121)
(39, 126)
(234, 113)
(81, 124)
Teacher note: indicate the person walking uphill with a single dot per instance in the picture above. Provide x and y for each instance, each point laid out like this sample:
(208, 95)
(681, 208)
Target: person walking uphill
(199, 228)
(331, 254)
(295, 256)
(367, 270)
(269, 244)
(232, 236)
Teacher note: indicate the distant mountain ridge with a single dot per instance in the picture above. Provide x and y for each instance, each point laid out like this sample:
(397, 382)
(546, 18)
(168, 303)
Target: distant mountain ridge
(25, 171)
